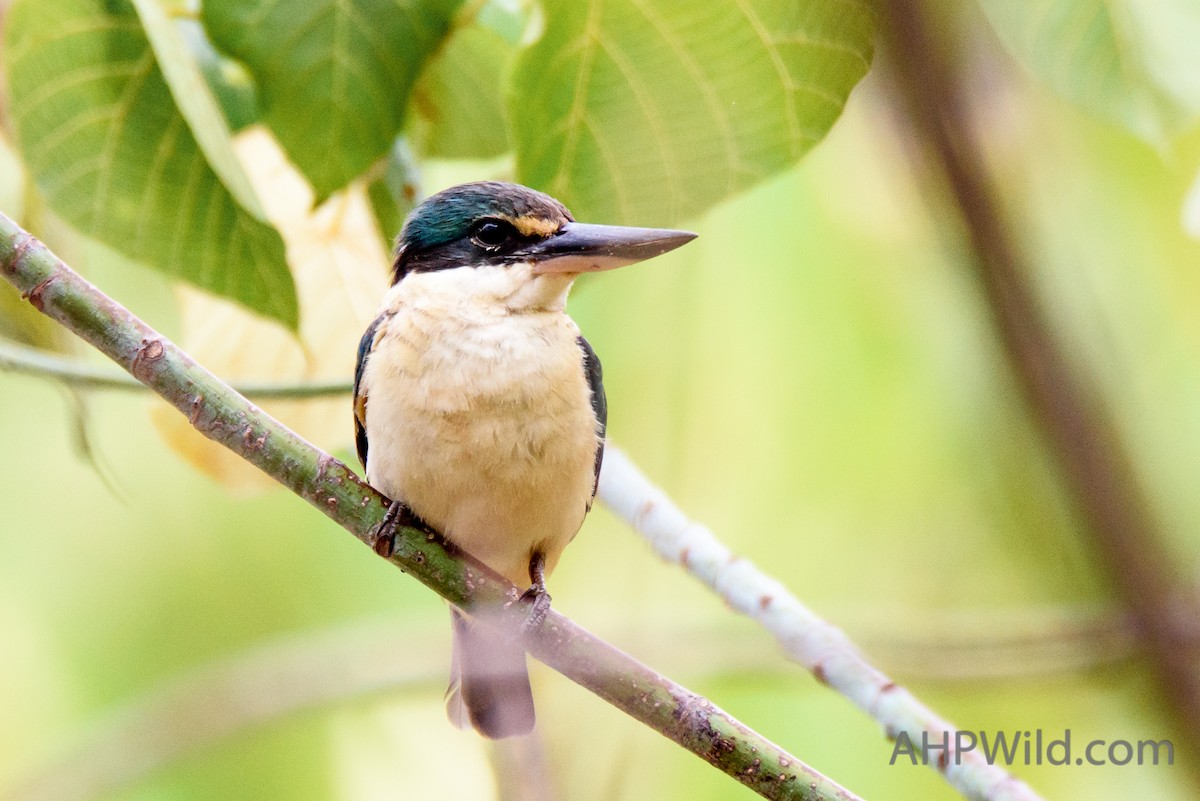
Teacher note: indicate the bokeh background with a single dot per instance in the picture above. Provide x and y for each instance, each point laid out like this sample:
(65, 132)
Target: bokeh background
(817, 378)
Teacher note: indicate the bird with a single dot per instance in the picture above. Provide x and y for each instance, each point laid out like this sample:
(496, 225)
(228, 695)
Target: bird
(479, 407)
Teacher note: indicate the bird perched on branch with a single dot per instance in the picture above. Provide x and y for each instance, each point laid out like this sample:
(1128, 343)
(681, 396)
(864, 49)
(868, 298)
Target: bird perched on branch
(479, 406)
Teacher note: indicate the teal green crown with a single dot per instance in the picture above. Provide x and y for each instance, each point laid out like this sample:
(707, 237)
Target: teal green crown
(449, 214)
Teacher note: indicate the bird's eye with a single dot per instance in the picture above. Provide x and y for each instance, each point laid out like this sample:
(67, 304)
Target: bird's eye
(491, 234)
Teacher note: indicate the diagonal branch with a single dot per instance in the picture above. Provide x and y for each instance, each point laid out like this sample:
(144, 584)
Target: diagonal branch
(805, 638)
(226, 417)
(1096, 468)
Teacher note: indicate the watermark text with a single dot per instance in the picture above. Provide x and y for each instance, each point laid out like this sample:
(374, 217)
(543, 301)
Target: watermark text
(1027, 748)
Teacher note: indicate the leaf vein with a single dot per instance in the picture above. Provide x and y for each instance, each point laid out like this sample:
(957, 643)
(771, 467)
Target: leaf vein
(113, 136)
(560, 184)
(777, 62)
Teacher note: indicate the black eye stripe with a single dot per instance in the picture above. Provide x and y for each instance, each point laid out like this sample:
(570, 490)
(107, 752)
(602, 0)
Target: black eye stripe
(492, 234)
(486, 241)
(437, 233)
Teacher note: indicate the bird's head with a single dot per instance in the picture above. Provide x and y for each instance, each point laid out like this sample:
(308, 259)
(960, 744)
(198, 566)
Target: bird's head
(513, 244)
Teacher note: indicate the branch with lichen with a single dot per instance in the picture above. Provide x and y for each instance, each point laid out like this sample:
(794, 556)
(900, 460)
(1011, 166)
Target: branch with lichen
(807, 639)
(221, 414)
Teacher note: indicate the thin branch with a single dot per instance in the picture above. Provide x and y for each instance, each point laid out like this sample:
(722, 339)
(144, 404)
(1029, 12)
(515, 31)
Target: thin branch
(238, 693)
(521, 768)
(1078, 430)
(216, 701)
(807, 639)
(221, 414)
(341, 664)
(229, 697)
(984, 648)
(33, 361)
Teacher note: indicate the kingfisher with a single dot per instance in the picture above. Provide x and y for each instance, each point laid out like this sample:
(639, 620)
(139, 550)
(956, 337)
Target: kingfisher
(479, 408)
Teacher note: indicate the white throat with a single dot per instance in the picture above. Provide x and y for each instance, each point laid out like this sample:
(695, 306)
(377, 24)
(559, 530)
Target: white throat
(507, 289)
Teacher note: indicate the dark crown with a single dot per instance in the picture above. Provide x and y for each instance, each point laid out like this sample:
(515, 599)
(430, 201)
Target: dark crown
(438, 232)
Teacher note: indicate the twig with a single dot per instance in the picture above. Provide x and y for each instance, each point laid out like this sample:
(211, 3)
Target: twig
(219, 413)
(1078, 430)
(231, 696)
(522, 771)
(32, 361)
(373, 657)
(986, 647)
(208, 704)
(804, 637)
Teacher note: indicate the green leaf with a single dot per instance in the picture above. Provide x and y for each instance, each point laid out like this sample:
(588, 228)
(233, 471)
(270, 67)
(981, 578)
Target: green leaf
(196, 102)
(461, 93)
(393, 191)
(334, 76)
(228, 80)
(112, 154)
(650, 111)
(1137, 64)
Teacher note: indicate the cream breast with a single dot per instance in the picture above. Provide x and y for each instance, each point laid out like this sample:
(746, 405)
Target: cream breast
(480, 417)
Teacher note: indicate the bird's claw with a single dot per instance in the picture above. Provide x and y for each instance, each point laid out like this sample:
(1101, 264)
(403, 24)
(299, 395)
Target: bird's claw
(383, 538)
(536, 595)
(539, 607)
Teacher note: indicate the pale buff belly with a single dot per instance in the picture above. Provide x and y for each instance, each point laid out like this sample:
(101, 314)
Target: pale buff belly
(484, 429)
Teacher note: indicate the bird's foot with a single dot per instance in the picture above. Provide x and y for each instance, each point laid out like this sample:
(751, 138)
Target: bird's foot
(537, 596)
(539, 607)
(383, 538)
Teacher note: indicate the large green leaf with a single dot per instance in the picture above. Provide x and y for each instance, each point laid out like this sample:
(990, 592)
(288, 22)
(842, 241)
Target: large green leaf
(1136, 63)
(196, 102)
(101, 134)
(460, 96)
(649, 111)
(334, 76)
(227, 79)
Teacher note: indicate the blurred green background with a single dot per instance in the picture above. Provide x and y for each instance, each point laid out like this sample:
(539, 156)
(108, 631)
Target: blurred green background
(816, 378)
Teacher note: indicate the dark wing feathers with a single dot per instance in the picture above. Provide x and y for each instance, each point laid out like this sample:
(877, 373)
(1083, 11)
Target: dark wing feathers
(595, 379)
(360, 391)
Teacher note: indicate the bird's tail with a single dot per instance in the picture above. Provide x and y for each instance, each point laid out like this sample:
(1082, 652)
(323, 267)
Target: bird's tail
(489, 682)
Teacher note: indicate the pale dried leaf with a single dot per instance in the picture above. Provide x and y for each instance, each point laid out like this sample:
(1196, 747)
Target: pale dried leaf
(340, 267)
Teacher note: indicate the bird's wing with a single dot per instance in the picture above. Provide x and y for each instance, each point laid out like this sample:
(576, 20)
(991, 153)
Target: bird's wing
(360, 390)
(595, 379)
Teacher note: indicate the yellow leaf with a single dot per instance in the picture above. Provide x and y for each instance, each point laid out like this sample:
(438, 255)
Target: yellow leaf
(340, 270)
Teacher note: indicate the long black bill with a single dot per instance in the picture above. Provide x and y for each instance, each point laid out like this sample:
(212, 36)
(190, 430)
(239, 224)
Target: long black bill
(584, 248)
